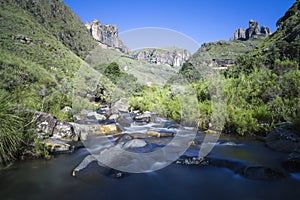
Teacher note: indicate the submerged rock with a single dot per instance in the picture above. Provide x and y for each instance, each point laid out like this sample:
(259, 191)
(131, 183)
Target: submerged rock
(262, 173)
(292, 163)
(135, 143)
(159, 134)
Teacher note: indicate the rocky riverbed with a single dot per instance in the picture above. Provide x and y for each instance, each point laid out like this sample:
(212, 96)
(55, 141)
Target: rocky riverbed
(143, 142)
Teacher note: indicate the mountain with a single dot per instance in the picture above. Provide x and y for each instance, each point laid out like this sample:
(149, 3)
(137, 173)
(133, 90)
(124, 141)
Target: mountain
(221, 54)
(107, 36)
(61, 22)
(170, 56)
(41, 46)
(285, 42)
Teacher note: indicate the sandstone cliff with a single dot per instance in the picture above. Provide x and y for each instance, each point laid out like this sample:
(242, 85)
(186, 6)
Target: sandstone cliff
(106, 35)
(170, 56)
(253, 32)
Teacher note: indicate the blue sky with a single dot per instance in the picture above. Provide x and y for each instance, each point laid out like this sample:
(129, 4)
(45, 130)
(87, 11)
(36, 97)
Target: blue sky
(202, 20)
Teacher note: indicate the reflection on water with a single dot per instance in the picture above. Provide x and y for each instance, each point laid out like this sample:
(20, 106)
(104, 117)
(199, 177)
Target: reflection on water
(52, 180)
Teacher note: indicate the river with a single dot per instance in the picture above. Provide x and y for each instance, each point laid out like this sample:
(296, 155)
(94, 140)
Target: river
(52, 179)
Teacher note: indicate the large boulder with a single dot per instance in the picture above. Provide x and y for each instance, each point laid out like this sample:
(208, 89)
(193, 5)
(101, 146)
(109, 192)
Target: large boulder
(48, 126)
(284, 139)
(45, 124)
(64, 130)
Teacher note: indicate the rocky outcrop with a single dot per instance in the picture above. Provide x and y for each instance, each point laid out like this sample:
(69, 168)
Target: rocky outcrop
(253, 32)
(169, 56)
(48, 126)
(106, 35)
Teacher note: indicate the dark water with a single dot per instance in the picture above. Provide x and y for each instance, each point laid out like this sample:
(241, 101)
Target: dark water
(52, 179)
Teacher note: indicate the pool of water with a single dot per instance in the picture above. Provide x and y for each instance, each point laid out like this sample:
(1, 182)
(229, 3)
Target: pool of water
(51, 179)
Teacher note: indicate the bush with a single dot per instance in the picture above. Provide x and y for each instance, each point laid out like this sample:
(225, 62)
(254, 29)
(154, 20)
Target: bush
(10, 128)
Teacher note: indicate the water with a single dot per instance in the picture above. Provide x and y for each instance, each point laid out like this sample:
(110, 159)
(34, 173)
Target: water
(51, 179)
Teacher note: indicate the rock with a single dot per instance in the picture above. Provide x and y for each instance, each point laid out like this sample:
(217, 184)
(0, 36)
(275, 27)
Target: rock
(114, 117)
(81, 130)
(48, 126)
(23, 39)
(107, 36)
(45, 124)
(160, 134)
(109, 129)
(95, 116)
(146, 117)
(103, 110)
(135, 143)
(292, 164)
(120, 106)
(64, 130)
(240, 34)
(57, 146)
(262, 173)
(253, 32)
(125, 120)
(185, 160)
(171, 56)
(283, 139)
(66, 109)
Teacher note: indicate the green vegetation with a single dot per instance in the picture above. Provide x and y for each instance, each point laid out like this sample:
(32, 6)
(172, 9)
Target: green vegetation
(261, 90)
(61, 22)
(10, 126)
(37, 68)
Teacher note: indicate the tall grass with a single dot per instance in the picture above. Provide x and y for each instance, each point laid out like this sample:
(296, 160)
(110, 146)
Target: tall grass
(10, 125)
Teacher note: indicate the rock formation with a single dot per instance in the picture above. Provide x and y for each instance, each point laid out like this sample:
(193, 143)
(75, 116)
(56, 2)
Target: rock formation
(170, 56)
(254, 31)
(106, 35)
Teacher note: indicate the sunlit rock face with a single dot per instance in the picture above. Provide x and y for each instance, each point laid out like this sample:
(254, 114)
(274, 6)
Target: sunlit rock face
(107, 35)
(254, 31)
(170, 56)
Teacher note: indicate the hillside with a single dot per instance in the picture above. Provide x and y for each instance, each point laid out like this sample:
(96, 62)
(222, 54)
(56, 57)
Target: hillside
(222, 53)
(61, 22)
(145, 72)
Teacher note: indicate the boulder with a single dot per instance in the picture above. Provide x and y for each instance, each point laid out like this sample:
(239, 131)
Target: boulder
(160, 134)
(135, 143)
(109, 129)
(64, 130)
(48, 126)
(58, 146)
(95, 116)
(263, 173)
(121, 106)
(283, 139)
(292, 163)
(145, 117)
(45, 124)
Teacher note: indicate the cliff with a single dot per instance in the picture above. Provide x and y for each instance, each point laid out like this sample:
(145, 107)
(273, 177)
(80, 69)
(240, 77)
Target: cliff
(169, 56)
(107, 36)
(254, 31)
